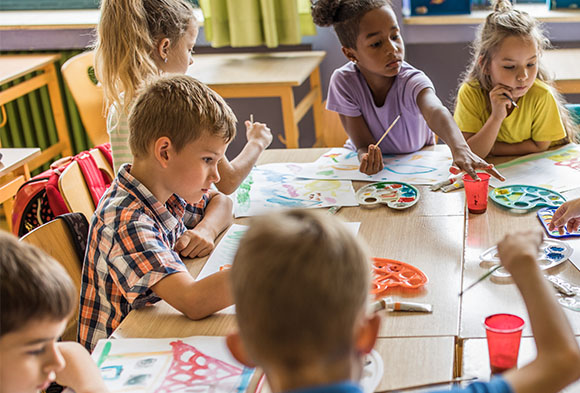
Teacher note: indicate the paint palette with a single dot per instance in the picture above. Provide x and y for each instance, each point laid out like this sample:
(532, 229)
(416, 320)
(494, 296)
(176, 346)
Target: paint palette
(396, 195)
(522, 197)
(545, 216)
(389, 273)
(552, 253)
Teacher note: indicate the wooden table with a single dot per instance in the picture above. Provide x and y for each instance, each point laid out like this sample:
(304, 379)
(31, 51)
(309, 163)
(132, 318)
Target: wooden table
(267, 75)
(564, 64)
(437, 236)
(15, 66)
(14, 171)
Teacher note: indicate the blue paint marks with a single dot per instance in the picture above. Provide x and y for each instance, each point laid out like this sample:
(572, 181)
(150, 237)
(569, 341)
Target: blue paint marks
(291, 202)
(351, 155)
(245, 379)
(408, 169)
(556, 249)
(555, 256)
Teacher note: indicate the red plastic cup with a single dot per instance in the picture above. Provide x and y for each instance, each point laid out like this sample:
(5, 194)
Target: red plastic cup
(503, 332)
(476, 192)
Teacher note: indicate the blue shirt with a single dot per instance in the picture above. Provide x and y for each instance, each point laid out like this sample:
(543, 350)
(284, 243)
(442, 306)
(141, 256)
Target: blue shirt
(496, 385)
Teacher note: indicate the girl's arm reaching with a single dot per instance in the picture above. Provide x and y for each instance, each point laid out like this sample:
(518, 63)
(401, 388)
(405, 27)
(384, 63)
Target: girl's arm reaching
(369, 155)
(441, 122)
(234, 172)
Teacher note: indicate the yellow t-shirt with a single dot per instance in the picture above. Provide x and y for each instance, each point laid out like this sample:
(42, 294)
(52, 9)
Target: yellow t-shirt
(537, 116)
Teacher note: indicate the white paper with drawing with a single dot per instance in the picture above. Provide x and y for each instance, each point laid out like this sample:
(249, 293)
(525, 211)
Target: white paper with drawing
(275, 186)
(200, 364)
(422, 167)
(223, 255)
(558, 170)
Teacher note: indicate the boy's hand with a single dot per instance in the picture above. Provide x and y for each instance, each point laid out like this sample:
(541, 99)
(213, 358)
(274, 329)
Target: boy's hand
(520, 248)
(466, 160)
(259, 133)
(195, 243)
(371, 162)
(566, 215)
(80, 371)
(499, 102)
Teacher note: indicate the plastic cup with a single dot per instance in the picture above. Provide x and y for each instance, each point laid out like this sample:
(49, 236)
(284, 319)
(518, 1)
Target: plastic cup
(476, 192)
(503, 332)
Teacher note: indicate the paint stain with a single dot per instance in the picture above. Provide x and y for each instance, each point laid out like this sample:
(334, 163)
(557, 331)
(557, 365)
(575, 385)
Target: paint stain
(556, 249)
(555, 256)
(137, 380)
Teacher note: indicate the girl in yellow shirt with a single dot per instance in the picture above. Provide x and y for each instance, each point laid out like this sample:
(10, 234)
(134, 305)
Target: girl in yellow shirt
(506, 104)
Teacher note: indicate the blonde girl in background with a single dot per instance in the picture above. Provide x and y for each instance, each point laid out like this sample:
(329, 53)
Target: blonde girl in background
(506, 104)
(140, 39)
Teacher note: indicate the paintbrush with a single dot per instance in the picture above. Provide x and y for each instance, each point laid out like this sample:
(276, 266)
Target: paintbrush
(252, 118)
(388, 129)
(486, 275)
(511, 100)
(427, 385)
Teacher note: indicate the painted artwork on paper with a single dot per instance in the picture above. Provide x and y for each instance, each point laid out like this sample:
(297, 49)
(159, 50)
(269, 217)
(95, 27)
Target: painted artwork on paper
(275, 186)
(222, 256)
(200, 364)
(422, 167)
(558, 169)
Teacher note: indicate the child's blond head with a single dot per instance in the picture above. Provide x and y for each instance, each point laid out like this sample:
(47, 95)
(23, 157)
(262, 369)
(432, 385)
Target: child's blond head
(300, 281)
(128, 33)
(181, 108)
(33, 286)
(344, 16)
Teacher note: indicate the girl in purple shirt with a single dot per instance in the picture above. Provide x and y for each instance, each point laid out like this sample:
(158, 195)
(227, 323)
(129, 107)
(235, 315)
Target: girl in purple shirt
(377, 85)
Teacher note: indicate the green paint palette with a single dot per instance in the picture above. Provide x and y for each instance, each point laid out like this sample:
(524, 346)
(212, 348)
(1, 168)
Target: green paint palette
(396, 195)
(522, 197)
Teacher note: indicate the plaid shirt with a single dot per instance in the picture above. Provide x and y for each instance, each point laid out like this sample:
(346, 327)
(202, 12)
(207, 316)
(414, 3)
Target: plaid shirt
(131, 242)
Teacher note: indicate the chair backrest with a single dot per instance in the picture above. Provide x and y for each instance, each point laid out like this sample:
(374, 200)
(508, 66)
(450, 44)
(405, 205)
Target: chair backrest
(55, 239)
(88, 96)
(333, 132)
(74, 189)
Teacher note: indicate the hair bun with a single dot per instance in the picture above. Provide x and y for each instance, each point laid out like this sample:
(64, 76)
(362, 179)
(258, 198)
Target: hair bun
(324, 11)
(502, 6)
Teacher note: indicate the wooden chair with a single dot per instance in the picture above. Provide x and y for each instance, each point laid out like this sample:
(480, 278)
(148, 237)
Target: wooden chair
(88, 96)
(333, 132)
(56, 240)
(74, 189)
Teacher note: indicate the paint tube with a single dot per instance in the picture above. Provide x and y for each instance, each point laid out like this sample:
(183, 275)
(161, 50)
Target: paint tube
(390, 305)
(437, 186)
(453, 186)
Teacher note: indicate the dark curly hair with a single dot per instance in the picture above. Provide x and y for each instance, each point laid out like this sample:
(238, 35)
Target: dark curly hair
(344, 16)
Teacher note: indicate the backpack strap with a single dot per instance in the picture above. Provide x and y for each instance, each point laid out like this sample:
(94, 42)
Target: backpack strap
(79, 229)
(93, 176)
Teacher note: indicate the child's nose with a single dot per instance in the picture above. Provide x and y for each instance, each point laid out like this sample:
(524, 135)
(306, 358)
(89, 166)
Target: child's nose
(523, 74)
(215, 176)
(54, 361)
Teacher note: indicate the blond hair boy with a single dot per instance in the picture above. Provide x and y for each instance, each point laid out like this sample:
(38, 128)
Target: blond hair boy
(37, 298)
(300, 282)
(180, 129)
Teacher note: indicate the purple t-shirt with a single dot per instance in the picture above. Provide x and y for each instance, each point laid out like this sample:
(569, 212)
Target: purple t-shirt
(350, 95)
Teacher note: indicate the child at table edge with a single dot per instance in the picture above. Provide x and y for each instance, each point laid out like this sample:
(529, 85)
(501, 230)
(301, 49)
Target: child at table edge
(507, 70)
(377, 85)
(301, 280)
(37, 297)
(180, 129)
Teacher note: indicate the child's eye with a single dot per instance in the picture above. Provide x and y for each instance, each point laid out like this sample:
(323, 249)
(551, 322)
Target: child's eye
(192, 52)
(509, 67)
(36, 352)
(376, 44)
(531, 64)
(207, 160)
(395, 37)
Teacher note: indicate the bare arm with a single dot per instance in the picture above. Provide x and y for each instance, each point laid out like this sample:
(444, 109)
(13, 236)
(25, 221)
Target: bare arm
(195, 299)
(199, 241)
(369, 155)
(556, 364)
(234, 172)
(80, 372)
(526, 147)
(441, 122)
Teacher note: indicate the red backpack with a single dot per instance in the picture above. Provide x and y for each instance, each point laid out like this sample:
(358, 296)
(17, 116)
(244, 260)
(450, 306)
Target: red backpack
(39, 200)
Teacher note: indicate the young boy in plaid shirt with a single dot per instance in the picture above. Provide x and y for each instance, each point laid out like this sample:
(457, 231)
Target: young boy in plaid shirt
(179, 132)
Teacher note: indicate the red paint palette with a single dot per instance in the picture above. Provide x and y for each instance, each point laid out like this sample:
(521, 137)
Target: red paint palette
(389, 273)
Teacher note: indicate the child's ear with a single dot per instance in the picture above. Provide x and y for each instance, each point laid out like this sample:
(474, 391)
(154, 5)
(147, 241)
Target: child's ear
(162, 150)
(163, 48)
(236, 347)
(367, 333)
(349, 54)
(482, 64)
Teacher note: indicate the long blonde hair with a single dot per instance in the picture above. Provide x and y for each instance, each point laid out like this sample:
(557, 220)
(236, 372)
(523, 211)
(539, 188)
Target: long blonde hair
(128, 32)
(505, 21)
